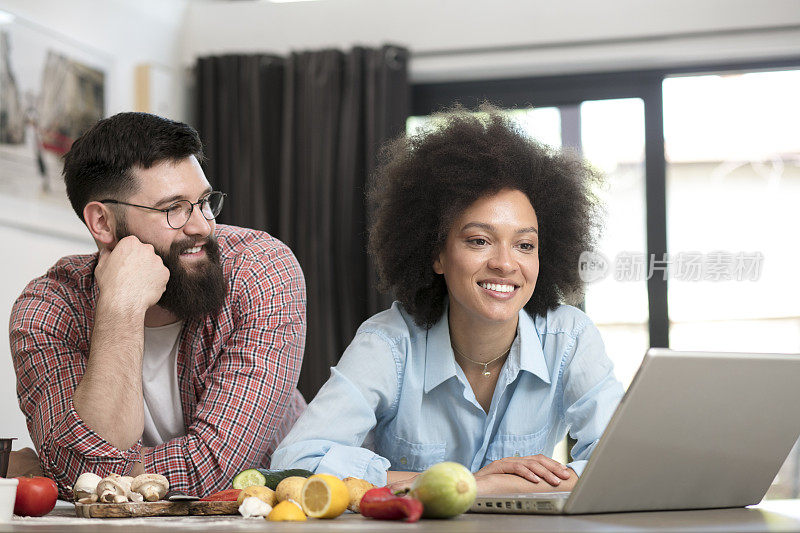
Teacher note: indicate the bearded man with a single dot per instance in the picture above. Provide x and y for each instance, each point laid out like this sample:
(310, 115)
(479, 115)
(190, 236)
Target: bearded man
(176, 348)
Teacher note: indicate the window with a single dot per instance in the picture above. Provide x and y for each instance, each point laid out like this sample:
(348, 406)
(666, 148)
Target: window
(612, 135)
(543, 124)
(733, 182)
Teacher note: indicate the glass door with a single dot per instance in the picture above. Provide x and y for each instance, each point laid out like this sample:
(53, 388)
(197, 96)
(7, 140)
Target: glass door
(612, 135)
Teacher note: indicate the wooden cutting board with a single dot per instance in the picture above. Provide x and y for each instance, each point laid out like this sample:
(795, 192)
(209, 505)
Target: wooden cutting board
(161, 508)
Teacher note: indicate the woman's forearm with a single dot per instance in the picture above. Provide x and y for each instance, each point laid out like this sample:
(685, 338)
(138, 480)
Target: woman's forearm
(399, 481)
(506, 483)
(394, 476)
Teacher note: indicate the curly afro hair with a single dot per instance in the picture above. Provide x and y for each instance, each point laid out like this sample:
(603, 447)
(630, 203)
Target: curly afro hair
(426, 180)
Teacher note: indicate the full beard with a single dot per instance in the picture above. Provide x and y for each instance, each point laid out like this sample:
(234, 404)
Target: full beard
(196, 292)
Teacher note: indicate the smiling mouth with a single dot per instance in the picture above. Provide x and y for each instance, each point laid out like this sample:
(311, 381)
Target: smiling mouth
(194, 250)
(498, 287)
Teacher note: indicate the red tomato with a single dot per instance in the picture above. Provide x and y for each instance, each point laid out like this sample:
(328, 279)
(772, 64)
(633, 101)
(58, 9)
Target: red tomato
(36, 496)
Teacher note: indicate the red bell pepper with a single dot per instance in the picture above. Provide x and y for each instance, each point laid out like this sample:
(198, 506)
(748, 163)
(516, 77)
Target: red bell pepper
(229, 495)
(380, 503)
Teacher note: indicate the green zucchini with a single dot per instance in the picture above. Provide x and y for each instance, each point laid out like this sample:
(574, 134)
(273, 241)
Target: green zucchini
(273, 477)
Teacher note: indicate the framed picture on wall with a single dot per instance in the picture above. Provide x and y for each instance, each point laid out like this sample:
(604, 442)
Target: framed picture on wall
(51, 90)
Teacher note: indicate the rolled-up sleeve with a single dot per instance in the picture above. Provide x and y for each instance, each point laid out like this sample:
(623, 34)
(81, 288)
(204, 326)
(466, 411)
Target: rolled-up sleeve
(591, 393)
(47, 347)
(328, 437)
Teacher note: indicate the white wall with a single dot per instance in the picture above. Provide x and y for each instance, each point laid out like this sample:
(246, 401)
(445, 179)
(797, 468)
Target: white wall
(465, 39)
(130, 32)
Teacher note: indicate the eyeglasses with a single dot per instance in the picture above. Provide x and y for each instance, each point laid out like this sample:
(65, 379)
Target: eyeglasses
(179, 213)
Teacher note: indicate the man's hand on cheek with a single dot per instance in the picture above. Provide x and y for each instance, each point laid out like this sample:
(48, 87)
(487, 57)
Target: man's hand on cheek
(131, 276)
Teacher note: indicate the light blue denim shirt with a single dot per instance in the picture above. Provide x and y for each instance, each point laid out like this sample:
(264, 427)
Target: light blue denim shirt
(397, 399)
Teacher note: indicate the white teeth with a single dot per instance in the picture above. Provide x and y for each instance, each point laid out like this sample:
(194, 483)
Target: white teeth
(497, 287)
(193, 250)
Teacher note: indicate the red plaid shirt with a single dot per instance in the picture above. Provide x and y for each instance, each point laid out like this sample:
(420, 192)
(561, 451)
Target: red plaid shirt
(237, 371)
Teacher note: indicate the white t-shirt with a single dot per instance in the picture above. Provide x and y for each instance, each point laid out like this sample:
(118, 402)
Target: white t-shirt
(163, 413)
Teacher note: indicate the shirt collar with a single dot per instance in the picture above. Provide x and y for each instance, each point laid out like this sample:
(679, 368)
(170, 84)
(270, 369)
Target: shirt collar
(531, 355)
(440, 362)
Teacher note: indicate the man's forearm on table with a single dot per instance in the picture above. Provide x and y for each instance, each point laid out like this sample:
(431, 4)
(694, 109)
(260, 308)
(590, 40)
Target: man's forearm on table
(109, 396)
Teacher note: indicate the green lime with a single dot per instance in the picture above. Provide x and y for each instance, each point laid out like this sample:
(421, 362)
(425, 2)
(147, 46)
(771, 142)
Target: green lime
(248, 478)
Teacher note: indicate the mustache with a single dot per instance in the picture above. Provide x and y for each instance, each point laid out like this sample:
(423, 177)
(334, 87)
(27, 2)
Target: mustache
(172, 259)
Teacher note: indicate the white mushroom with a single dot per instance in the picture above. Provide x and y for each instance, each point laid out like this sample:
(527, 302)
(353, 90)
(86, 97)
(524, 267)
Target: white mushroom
(116, 489)
(92, 498)
(152, 486)
(109, 488)
(132, 496)
(85, 485)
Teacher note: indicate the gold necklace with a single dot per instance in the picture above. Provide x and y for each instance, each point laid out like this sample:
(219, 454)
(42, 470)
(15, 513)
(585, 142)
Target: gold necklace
(486, 372)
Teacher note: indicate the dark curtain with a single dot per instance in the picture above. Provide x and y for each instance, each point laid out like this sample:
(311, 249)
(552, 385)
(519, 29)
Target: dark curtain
(293, 141)
(240, 109)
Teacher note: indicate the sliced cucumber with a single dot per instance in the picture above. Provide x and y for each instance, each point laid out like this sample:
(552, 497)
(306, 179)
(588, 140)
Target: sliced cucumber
(248, 478)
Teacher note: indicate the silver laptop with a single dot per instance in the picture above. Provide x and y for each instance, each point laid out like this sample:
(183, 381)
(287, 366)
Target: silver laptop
(695, 430)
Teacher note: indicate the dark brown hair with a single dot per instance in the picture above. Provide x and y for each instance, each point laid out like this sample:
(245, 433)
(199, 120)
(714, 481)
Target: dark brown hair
(99, 163)
(426, 180)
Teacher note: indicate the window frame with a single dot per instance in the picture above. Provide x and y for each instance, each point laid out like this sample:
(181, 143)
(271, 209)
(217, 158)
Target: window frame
(571, 90)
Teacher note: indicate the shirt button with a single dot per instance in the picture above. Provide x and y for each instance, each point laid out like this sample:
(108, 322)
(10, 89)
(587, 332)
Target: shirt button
(403, 460)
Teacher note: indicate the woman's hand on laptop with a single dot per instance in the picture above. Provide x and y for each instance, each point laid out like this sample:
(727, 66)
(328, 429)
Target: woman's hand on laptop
(512, 483)
(400, 481)
(533, 468)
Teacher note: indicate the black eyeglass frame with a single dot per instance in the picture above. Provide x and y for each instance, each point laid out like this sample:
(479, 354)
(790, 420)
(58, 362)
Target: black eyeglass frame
(166, 210)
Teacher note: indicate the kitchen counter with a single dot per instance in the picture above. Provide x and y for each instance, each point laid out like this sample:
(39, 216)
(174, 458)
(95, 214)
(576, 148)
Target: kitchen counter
(771, 515)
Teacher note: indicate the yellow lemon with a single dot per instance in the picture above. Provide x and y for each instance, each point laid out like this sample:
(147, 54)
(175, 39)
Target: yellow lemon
(324, 496)
(287, 511)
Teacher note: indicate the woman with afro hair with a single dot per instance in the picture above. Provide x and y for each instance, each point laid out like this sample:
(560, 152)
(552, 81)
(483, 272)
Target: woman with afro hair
(477, 230)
